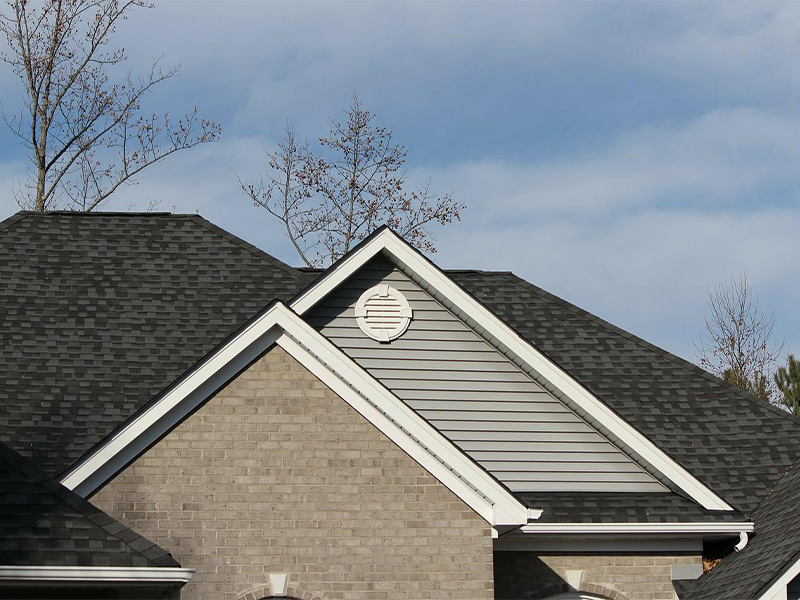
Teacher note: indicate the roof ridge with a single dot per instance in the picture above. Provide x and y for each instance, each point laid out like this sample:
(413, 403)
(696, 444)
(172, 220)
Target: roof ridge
(103, 213)
(49, 484)
(13, 219)
(650, 346)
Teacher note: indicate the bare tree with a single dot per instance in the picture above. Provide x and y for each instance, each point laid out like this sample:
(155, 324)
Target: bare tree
(86, 135)
(738, 344)
(330, 201)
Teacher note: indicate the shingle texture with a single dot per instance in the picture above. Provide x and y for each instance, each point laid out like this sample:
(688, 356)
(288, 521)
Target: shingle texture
(774, 547)
(622, 508)
(42, 523)
(735, 445)
(101, 312)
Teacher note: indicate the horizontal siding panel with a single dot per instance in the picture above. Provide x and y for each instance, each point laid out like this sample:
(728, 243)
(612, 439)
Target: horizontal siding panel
(492, 457)
(475, 396)
(515, 436)
(503, 416)
(535, 411)
(379, 366)
(512, 469)
(541, 446)
(433, 385)
(496, 424)
(509, 396)
(583, 486)
(639, 477)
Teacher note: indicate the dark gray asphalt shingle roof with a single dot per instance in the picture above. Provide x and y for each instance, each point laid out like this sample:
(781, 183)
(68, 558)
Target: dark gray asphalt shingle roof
(100, 312)
(733, 443)
(42, 523)
(774, 547)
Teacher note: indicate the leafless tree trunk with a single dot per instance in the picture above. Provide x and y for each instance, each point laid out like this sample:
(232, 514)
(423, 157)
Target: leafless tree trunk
(738, 344)
(330, 201)
(86, 135)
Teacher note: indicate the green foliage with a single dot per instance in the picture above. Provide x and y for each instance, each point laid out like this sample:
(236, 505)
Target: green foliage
(787, 379)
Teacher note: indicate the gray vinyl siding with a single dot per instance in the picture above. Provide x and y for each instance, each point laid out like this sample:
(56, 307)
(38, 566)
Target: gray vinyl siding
(475, 396)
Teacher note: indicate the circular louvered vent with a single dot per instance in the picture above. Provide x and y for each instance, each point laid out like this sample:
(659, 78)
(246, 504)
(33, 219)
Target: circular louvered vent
(383, 313)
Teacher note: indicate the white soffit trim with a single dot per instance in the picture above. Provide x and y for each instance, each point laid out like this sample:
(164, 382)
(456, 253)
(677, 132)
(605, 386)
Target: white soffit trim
(635, 528)
(377, 404)
(389, 242)
(777, 590)
(96, 574)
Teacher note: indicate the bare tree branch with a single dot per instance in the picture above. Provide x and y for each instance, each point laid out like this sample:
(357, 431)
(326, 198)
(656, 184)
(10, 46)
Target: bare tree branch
(329, 202)
(87, 136)
(738, 344)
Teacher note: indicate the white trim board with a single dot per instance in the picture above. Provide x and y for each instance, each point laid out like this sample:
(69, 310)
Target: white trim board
(777, 590)
(95, 574)
(492, 327)
(637, 528)
(279, 325)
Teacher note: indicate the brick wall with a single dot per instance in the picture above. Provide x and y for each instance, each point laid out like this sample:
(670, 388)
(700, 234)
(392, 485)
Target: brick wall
(277, 474)
(620, 577)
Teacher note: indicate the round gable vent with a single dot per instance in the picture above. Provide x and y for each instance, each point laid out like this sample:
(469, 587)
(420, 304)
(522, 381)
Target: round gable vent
(383, 313)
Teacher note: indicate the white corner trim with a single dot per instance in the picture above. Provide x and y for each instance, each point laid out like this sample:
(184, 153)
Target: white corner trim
(96, 574)
(637, 528)
(777, 590)
(387, 241)
(357, 387)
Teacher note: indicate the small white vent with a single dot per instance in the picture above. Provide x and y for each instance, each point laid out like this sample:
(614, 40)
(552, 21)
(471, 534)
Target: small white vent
(383, 313)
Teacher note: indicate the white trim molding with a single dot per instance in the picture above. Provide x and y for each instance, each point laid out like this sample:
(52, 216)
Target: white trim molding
(777, 590)
(96, 574)
(715, 528)
(279, 325)
(502, 336)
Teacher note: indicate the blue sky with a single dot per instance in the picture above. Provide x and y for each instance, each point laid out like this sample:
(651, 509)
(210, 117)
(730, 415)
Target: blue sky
(625, 156)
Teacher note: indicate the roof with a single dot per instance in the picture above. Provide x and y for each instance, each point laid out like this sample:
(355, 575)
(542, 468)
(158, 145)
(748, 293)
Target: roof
(42, 523)
(586, 507)
(101, 311)
(736, 445)
(773, 548)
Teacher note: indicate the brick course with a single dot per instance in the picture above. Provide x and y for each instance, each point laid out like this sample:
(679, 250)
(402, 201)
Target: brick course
(277, 474)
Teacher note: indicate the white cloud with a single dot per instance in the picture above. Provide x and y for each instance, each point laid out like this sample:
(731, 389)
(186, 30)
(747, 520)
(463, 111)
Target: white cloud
(707, 162)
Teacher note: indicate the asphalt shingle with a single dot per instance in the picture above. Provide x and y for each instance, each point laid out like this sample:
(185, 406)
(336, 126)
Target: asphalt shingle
(101, 312)
(42, 523)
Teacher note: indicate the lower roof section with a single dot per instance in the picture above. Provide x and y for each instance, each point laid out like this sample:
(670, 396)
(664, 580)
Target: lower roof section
(43, 525)
(582, 507)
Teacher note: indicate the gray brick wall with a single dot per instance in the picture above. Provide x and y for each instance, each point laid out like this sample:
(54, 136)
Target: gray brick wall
(277, 474)
(618, 576)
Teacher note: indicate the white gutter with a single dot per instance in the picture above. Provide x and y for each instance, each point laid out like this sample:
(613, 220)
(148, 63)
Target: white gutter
(96, 574)
(634, 528)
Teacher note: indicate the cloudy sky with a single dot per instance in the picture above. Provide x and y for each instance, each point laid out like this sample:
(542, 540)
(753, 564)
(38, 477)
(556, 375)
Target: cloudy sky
(623, 156)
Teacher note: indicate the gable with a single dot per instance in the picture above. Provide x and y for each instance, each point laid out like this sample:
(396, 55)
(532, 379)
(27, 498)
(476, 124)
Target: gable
(278, 473)
(481, 401)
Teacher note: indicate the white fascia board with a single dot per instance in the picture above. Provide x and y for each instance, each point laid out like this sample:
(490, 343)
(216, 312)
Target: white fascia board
(637, 528)
(96, 574)
(777, 590)
(388, 241)
(357, 387)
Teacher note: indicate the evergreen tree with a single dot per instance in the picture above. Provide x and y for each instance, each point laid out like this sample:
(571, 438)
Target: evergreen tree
(787, 379)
